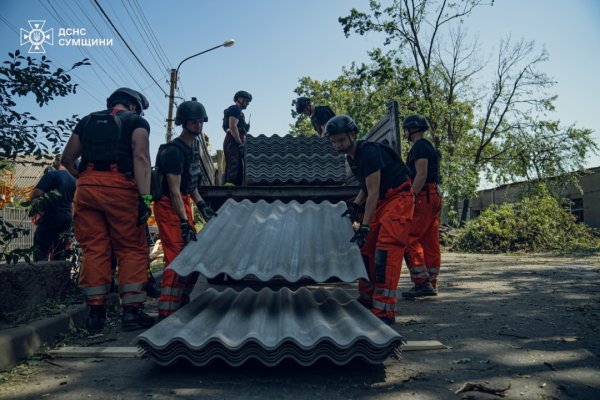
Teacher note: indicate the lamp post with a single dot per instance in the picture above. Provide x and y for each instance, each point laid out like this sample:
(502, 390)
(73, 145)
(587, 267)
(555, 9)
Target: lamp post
(174, 72)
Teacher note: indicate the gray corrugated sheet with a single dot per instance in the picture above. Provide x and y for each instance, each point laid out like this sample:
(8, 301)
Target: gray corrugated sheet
(271, 326)
(300, 160)
(268, 240)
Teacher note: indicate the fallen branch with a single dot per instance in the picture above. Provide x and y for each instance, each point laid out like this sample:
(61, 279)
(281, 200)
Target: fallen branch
(552, 367)
(478, 387)
(513, 335)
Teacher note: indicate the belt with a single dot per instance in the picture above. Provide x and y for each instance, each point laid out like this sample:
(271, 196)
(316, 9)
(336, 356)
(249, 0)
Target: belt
(105, 167)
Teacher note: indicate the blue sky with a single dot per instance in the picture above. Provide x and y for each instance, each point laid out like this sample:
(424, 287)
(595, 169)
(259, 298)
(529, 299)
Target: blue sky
(278, 42)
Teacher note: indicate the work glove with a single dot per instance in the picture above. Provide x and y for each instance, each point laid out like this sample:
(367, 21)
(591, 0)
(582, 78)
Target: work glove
(144, 211)
(205, 210)
(352, 211)
(187, 232)
(242, 149)
(360, 236)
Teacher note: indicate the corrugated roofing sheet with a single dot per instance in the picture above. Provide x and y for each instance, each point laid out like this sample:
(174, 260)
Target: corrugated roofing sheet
(269, 240)
(270, 326)
(292, 160)
(29, 170)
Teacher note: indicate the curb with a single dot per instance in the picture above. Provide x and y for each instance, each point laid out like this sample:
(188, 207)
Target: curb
(21, 341)
(24, 340)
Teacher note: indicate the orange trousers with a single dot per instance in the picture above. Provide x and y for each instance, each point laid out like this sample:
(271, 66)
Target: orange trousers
(423, 257)
(384, 249)
(105, 213)
(175, 289)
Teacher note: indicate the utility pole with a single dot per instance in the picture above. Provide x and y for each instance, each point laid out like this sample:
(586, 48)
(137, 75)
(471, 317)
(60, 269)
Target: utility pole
(171, 105)
(174, 73)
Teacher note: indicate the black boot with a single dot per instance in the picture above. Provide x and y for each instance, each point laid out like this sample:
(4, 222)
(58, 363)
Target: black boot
(420, 290)
(151, 288)
(133, 318)
(96, 319)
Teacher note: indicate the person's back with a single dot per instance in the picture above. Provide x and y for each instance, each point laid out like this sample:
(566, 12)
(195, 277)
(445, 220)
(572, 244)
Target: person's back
(112, 205)
(320, 116)
(236, 128)
(49, 237)
(64, 183)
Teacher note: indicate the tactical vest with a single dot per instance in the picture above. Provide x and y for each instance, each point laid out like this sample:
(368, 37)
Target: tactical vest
(104, 141)
(192, 170)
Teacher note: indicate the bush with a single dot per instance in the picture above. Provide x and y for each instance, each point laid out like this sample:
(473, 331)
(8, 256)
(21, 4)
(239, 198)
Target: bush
(536, 223)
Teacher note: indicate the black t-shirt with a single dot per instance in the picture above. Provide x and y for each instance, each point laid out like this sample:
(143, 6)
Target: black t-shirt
(371, 157)
(64, 183)
(424, 149)
(130, 121)
(320, 116)
(236, 112)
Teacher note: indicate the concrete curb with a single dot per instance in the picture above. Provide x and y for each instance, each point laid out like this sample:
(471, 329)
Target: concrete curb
(21, 341)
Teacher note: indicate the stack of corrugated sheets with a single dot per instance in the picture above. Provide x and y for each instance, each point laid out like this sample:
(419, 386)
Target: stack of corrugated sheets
(267, 240)
(292, 160)
(271, 326)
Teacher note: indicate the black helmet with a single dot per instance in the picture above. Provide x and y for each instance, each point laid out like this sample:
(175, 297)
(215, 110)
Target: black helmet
(340, 124)
(127, 96)
(189, 110)
(242, 93)
(145, 103)
(301, 104)
(415, 123)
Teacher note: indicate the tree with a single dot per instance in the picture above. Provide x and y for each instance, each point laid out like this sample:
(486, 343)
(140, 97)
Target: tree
(21, 132)
(501, 132)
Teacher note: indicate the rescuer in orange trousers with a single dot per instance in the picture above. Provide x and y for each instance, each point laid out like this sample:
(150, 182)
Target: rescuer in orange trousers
(423, 252)
(179, 161)
(388, 199)
(112, 205)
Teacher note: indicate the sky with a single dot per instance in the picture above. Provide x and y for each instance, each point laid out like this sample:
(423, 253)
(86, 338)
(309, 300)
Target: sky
(277, 42)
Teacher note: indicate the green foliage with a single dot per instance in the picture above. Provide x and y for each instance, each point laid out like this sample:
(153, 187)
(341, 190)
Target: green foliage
(536, 223)
(21, 132)
(495, 128)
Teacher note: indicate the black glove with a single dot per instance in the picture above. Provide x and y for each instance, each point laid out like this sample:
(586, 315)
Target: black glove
(205, 210)
(242, 149)
(360, 236)
(352, 211)
(187, 232)
(144, 211)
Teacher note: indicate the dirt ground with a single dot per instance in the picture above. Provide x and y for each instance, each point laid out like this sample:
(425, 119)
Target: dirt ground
(526, 323)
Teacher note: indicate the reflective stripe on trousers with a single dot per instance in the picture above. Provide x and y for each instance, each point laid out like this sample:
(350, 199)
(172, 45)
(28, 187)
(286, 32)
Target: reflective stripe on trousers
(105, 215)
(384, 249)
(173, 287)
(424, 247)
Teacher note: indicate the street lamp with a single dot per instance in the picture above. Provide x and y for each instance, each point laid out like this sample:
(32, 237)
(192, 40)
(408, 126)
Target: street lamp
(174, 72)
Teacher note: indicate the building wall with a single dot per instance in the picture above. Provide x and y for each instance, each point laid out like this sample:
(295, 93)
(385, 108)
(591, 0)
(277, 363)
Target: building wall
(583, 205)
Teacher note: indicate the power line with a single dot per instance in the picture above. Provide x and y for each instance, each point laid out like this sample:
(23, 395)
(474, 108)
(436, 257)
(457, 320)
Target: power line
(154, 97)
(152, 35)
(127, 45)
(11, 26)
(119, 61)
(83, 51)
(151, 48)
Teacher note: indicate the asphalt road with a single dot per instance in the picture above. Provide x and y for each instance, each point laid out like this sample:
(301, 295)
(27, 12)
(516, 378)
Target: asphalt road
(526, 325)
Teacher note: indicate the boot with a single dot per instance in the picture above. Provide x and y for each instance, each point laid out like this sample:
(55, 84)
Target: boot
(96, 319)
(133, 318)
(151, 288)
(420, 290)
(388, 320)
